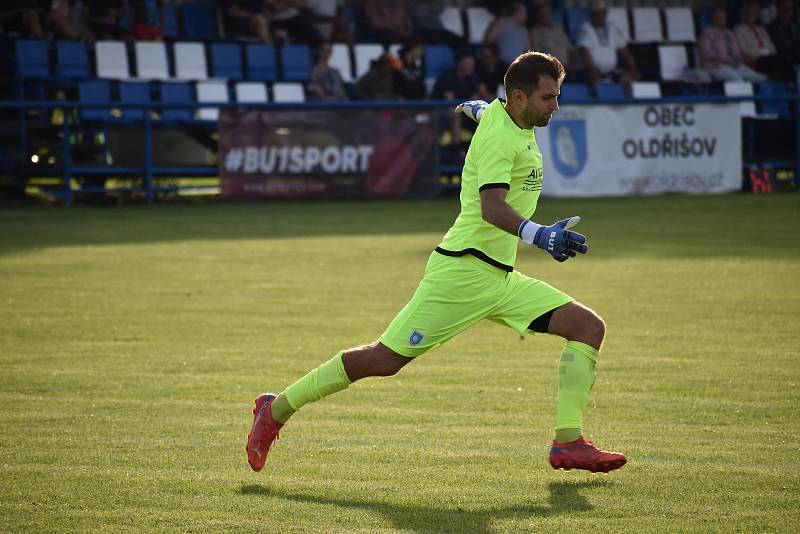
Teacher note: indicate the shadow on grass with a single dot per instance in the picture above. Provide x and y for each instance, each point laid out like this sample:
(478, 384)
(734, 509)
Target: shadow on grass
(565, 498)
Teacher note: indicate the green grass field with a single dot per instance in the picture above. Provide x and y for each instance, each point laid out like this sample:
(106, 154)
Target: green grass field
(133, 341)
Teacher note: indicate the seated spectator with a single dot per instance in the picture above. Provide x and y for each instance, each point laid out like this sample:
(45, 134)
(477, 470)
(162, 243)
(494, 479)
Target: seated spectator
(785, 33)
(246, 18)
(509, 33)
(22, 17)
(325, 82)
(720, 54)
(328, 19)
(458, 82)
(104, 18)
(289, 23)
(599, 43)
(147, 20)
(425, 16)
(378, 82)
(549, 37)
(410, 78)
(757, 49)
(490, 71)
(390, 20)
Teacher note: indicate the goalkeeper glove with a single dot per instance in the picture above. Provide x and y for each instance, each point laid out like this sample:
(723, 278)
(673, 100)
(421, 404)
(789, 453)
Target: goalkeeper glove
(472, 109)
(556, 239)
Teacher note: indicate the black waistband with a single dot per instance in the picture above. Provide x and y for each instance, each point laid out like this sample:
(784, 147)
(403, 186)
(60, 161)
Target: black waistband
(478, 254)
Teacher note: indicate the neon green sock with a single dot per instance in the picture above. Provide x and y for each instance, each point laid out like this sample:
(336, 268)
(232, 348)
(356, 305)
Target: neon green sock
(575, 381)
(325, 380)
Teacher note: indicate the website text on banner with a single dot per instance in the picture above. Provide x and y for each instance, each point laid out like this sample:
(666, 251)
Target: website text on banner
(327, 153)
(647, 149)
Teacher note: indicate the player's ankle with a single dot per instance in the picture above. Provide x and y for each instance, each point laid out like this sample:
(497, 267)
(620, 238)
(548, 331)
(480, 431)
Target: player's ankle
(567, 435)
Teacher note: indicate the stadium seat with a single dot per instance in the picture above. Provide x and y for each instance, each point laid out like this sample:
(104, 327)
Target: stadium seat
(211, 91)
(151, 60)
(134, 93)
(198, 21)
(95, 92)
(286, 92)
(647, 25)
(340, 60)
(296, 59)
(478, 19)
(262, 64)
(576, 16)
(611, 91)
(176, 93)
(748, 108)
(111, 59)
(680, 24)
(251, 92)
(32, 58)
(618, 16)
(72, 60)
(169, 20)
(572, 92)
(226, 61)
(703, 18)
(673, 62)
(190, 61)
(364, 54)
(452, 21)
(779, 108)
(437, 59)
(645, 90)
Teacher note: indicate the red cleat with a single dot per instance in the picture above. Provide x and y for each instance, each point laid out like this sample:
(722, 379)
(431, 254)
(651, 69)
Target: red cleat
(582, 454)
(264, 432)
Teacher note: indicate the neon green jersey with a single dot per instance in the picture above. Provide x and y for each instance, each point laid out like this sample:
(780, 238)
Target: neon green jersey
(501, 154)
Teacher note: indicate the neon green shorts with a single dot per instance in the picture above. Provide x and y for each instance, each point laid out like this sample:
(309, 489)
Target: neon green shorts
(456, 293)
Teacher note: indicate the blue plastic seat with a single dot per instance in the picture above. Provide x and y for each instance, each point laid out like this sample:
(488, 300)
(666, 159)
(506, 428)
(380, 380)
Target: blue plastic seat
(198, 21)
(296, 62)
(95, 92)
(437, 59)
(72, 60)
(176, 93)
(262, 64)
(610, 91)
(571, 92)
(774, 107)
(226, 61)
(32, 58)
(576, 16)
(134, 93)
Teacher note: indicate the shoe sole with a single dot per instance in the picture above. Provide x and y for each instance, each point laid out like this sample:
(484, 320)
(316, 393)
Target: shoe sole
(599, 467)
(246, 448)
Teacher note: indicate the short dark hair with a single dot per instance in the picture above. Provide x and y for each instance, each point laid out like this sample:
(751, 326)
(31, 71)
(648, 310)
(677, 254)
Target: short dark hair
(525, 71)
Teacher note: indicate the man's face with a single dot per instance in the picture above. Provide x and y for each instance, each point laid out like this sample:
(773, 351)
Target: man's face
(542, 102)
(467, 65)
(786, 11)
(598, 17)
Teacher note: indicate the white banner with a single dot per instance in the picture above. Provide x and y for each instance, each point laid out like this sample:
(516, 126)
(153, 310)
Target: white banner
(642, 150)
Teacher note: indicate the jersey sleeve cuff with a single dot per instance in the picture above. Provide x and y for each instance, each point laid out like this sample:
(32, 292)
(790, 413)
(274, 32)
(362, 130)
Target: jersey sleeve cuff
(497, 185)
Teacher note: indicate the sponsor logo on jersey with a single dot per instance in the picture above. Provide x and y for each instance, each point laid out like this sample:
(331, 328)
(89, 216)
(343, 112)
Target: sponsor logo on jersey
(534, 180)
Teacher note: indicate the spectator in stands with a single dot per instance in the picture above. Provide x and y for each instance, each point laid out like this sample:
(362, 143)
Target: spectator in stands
(22, 17)
(246, 18)
(328, 19)
(720, 52)
(289, 22)
(758, 52)
(425, 15)
(549, 37)
(147, 20)
(390, 20)
(785, 33)
(490, 71)
(458, 82)
(325, 82)
(599, 43)
(378, 82)
(509, 33)
(410, 78)
(104, 18)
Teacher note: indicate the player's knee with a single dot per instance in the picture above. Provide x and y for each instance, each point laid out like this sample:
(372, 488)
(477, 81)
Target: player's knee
(594, 329)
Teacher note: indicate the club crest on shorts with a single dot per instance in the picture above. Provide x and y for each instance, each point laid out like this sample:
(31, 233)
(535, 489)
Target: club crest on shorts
(415, 338)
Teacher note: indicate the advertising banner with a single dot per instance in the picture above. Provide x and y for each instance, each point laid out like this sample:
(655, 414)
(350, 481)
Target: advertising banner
(333, 153)
(642, 150)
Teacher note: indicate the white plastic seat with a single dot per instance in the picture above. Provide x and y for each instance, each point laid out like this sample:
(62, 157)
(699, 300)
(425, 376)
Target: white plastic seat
(365, 53)
(645, 90)
(251, 92)
(680, 24)
(647, 25)
(111, 60)
(746, 109)
(673, 62)
(478, 19)
(288, 92)
(340, 60)
(451, 20)
(151, 60)
(190, 61)
(211, 91)
(618, 16)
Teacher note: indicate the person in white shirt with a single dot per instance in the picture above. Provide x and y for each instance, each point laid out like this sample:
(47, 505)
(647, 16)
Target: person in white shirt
(757, 49)
(599, 42)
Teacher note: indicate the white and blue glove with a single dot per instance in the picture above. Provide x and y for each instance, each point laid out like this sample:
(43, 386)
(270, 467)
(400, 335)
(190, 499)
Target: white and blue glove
(472, 109)
(555, 239)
